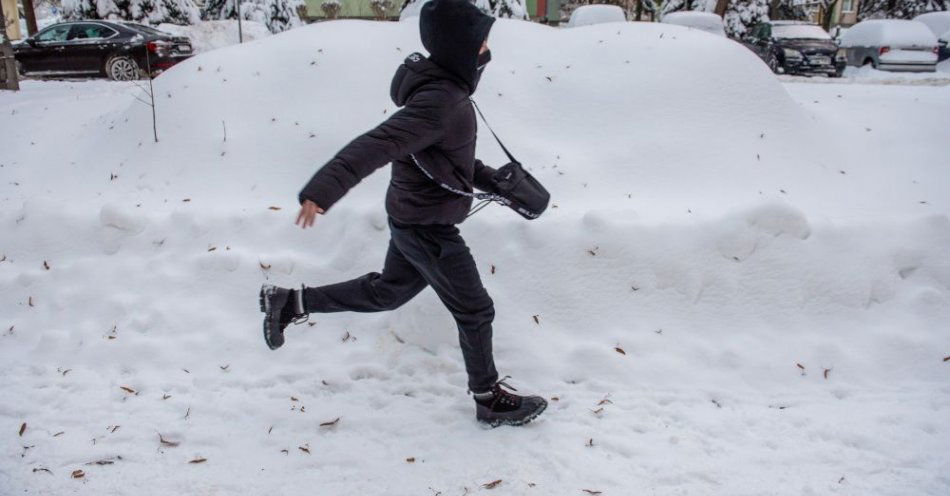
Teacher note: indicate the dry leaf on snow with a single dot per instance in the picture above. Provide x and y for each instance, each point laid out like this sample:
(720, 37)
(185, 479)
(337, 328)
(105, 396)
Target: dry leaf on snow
(491, 485)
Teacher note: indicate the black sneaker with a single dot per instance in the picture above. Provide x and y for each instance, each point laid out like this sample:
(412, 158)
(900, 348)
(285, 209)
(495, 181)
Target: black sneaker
(281, 307)
(505, 408)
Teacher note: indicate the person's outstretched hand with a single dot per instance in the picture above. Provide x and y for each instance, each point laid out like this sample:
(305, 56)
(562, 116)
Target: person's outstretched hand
(308, 214)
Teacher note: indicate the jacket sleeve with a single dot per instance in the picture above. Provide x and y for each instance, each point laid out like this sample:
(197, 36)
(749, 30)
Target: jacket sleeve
(483, 177)
(414, 127)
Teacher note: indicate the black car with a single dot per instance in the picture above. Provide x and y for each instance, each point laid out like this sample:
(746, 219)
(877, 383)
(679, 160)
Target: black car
(118, 50)
(792, 47)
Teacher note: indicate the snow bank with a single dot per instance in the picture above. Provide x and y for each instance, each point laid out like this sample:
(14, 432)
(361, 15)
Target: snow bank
(209, 35)
(889, 32)
(717, 283)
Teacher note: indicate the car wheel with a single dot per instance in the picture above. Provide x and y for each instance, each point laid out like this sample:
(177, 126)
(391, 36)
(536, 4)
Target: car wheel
(871, 62)
(773, 63)
(122, 68)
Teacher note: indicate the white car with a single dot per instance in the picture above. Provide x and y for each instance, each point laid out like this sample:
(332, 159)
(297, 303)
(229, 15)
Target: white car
(939, 24)
(891, 45)
(586, 15)
(703, 21)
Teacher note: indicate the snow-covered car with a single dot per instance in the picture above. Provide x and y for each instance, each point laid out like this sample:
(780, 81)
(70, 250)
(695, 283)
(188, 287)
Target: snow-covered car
(703, 21)
(121, 51)
(891, 45)
(939, 24)
(413, 9)
(586, 15)
(793, 47)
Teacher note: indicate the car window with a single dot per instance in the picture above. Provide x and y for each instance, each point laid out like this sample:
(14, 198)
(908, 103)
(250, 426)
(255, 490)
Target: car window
(90, 32)
(144, 29)
(55, 33)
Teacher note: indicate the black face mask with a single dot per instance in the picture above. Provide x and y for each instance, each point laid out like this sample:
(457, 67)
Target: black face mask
(483, 59)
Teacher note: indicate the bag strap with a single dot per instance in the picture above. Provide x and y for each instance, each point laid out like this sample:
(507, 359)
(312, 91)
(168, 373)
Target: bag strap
(502, 145)
(489, 197)
(477, 196)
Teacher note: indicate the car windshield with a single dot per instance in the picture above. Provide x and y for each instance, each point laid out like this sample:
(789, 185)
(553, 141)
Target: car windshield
(800, 32)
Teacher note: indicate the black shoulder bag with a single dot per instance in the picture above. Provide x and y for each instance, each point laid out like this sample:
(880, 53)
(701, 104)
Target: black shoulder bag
(513, 186)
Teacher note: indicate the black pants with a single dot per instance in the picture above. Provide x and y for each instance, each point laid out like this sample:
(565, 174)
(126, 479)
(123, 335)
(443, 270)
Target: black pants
(421, 256)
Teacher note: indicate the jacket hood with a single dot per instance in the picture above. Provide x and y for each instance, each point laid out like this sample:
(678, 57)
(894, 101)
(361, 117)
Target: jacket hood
(414, 72)
(453, 31)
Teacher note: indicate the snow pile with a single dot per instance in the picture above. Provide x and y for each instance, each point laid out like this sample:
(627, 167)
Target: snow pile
(938, 22)
(209, 35)
(717, 282)
(587, 15)
(889, 32)
(704, 21)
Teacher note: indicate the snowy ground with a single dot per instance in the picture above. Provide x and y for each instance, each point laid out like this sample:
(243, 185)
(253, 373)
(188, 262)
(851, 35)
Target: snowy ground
(869, 75)
(730, 297)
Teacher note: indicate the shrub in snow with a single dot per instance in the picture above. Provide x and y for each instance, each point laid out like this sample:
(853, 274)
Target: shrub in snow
(380, 8)
(741, 15)
(513, 9)
(899, 9)
(331, 8)
(145, 11)
(277, 15)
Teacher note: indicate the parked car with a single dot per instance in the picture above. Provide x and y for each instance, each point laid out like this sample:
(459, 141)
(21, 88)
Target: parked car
(586, 15)
(121, 51)
(891, 45)
(793, 47)
(939, 24)
(703, 21)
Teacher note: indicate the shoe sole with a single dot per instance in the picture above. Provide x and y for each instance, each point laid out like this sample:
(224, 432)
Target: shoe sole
(264, 304)
(516, 423)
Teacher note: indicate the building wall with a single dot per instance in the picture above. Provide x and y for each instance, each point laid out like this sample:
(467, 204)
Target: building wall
(846, 13)
(13, 19)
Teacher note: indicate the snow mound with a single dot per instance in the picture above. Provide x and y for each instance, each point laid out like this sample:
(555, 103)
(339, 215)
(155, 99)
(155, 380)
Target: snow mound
(285, 104)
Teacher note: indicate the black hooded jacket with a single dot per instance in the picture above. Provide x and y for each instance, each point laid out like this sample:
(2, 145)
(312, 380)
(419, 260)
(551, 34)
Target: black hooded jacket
(436, 124)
